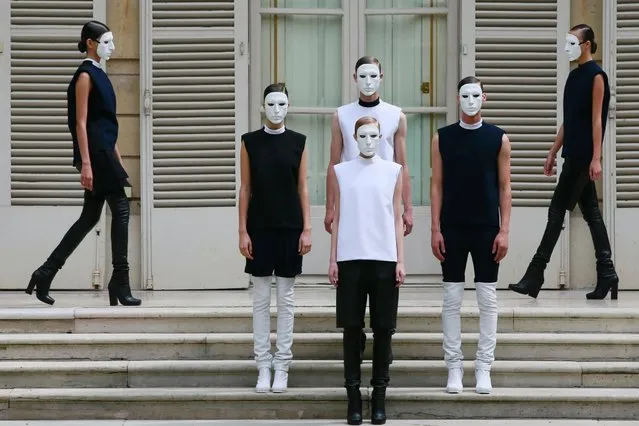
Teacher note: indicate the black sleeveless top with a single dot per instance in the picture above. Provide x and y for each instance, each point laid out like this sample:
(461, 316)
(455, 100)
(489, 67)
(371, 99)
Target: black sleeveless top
(275, 163)
(102, 122)
(470, 175)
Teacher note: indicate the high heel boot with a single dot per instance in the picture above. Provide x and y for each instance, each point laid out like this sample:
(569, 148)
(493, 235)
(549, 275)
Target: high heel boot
(41, 280)
(352, 374)
(120, 289)
(607, 281)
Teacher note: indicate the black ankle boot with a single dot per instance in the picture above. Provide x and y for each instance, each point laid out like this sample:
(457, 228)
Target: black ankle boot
(354, 413)
(378, 406)
(120, 289)
(607, 280)
(41, 280)
(531, 282)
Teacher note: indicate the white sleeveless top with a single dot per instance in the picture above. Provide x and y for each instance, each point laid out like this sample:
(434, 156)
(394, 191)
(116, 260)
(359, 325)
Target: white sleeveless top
(366, 216)
(386, 114)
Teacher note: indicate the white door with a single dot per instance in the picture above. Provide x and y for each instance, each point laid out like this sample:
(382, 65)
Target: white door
(40, 193)
(626, 138)
(514, 51)
(313, 46)
(194, 97)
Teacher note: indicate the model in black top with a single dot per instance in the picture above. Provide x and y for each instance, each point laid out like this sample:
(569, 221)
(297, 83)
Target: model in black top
(274, 230)
(91, 108)
(470, 213)
(586, 99)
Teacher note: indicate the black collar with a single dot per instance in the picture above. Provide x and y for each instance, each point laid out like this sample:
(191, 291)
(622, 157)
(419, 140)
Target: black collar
(369, 104)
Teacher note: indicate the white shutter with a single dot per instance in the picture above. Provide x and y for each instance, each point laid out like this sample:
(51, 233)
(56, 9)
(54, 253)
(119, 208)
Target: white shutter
(627, 103)
(516, 59)
(44, 56)
(193, 103)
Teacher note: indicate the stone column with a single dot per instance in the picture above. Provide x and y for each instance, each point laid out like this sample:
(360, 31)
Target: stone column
(123, 17)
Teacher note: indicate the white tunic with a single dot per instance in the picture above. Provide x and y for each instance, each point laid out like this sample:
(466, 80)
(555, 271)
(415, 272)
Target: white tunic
(386, 114)
(366, 215)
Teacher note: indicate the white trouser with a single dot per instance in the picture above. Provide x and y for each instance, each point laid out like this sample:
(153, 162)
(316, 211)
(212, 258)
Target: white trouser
(451, 324)
(262, 322)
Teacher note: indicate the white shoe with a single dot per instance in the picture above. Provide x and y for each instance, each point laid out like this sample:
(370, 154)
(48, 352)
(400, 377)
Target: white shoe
(263, 380)
(455, 376)
(484, 386)
(280, 382)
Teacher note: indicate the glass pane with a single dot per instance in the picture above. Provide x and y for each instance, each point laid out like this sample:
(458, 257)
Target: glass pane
(413, 51)
(404, 4)
(305, 52)
(421, 128)
(317, 129)
(304, 4)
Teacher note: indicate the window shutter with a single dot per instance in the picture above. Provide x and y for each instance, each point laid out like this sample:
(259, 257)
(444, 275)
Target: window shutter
(516, 59)
(44, 55)
(193, 103)
(627, 103)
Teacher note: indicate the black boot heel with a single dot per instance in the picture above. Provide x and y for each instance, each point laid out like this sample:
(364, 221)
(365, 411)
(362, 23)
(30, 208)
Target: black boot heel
(354, 413)
(530, 284)
(120, 290)
(41, 281)
(113, 297)
(603, 287)
(378, 406)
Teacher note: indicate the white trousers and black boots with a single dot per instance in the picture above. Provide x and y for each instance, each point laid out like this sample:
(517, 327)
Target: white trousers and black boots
(281, 361)
(451, 323)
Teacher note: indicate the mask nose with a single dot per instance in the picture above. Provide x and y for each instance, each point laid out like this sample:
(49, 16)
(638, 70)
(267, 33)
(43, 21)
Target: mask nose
(276, 109)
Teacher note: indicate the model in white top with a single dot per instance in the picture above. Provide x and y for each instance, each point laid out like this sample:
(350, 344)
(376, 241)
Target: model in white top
(392, 145)
(367, 262)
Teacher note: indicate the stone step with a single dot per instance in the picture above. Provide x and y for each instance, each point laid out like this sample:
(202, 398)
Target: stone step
(314, 403)
(305, 373)
(600, 318)
(322, 346)
(340, 422)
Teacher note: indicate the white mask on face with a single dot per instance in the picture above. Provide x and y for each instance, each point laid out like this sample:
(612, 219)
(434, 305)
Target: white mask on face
(106, 46)
(572, 48)
(276, 106)
(470, 99)
(367, 139)
(368, 79)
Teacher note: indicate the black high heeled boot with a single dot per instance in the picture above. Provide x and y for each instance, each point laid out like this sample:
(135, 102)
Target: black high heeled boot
(530, 284)
(381, 376)
(351, 346)
(120, 289)
(607, 281)
(41, 281)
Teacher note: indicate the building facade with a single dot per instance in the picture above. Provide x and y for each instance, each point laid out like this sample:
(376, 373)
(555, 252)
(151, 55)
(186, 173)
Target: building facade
(189, 77)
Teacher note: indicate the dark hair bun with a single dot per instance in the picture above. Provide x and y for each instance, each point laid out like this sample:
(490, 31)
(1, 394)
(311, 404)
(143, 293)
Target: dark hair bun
(82, 46)
(593, 49)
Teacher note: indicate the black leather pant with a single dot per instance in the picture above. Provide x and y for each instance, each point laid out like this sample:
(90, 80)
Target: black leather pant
(574, 187)
(91, 211)
(352, 356)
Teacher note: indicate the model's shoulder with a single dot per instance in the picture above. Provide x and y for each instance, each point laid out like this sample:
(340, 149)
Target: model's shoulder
(493, 128)
(447, 128)
(252, 135)
(346, 107)
(295, 135)
(391, 107)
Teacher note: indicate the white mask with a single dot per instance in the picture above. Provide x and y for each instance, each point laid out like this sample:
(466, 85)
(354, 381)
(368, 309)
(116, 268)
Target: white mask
(368, 79)
(106, 46)
(368, 139)
(276, 106)
(470, 98)
(572, 48)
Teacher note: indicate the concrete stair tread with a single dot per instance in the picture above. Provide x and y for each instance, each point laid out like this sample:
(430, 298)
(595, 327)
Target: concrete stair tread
(335, 422)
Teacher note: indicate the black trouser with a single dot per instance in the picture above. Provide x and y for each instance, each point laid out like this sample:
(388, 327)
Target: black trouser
(91, 211)
(358, 281)
(574, 187)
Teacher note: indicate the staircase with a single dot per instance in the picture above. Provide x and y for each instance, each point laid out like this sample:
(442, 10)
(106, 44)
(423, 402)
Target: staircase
(196, 363)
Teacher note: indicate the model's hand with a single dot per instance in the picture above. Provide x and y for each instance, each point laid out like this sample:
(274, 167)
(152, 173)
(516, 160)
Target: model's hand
(437, 245)
(407, 217)
(500, 246)
(595, 169)
(549, 165)
(400, 274)
(305, 243)
(246, 247)
(333, 273)
(86, 177)
(328, 220)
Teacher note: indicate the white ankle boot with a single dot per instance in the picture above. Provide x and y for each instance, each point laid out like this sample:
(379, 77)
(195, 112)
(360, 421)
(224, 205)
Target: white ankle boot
(455, 376)
(280, 382)
(263, 380)
(484, 385)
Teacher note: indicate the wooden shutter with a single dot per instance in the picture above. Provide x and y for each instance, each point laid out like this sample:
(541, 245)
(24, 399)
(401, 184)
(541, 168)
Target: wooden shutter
(627, 103)
(516, 59)
(44, 55)
(193, 103)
